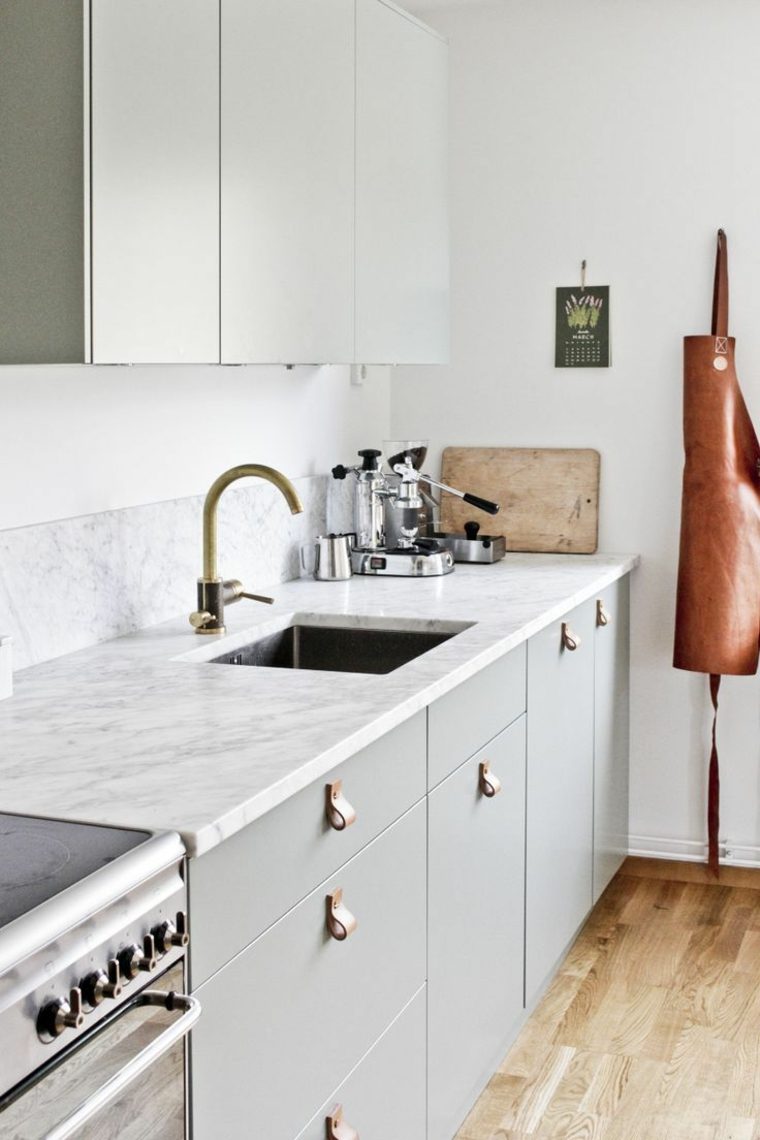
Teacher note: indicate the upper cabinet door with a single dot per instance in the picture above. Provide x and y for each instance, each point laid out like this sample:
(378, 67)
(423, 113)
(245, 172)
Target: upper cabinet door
(155, 181)
(42, 191)
(402, 273)
(287, 148)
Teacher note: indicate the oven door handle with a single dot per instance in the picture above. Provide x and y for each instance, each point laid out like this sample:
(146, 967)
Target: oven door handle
(190, 1008)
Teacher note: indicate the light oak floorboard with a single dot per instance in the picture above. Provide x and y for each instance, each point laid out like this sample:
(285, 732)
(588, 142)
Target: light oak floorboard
(651, 1028)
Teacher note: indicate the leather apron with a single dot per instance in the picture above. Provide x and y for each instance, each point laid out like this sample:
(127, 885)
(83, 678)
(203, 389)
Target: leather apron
(718, 602)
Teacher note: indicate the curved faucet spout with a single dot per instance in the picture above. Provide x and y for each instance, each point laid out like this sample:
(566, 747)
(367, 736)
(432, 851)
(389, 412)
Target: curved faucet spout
(217, 488)
(213, 593)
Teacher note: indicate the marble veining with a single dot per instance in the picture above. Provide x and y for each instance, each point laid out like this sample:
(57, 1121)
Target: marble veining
(125, 733)
(72, 583)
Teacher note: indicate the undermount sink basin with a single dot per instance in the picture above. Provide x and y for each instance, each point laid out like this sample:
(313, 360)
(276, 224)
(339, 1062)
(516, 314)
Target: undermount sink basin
(334, 645)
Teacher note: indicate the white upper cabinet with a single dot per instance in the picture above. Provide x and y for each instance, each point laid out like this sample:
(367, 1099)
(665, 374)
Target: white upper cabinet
(402, 268)
(334, 203)
(287, 181)
(235, 181)
(155, 181)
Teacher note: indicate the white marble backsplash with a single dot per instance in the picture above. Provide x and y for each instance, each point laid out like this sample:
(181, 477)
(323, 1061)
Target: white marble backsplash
(72, 583)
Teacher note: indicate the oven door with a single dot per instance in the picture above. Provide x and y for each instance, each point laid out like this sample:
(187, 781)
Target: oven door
(126, 1082)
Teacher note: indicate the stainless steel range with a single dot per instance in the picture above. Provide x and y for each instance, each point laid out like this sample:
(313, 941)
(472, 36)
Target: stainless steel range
(93, 1012)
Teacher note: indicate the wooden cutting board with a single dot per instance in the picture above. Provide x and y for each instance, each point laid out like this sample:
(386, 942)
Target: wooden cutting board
(549, 496)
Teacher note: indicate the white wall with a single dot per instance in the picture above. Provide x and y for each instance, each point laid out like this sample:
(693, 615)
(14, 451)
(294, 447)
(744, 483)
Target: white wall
(625, 132)
(78, 440)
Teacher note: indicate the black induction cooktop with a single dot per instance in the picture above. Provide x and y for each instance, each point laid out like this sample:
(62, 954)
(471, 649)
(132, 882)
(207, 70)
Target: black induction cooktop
(39, 858)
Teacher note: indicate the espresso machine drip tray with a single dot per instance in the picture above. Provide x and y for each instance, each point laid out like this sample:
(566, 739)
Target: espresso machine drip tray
(418, 561)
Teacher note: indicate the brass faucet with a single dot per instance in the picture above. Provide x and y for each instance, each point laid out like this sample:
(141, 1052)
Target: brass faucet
(214, 592)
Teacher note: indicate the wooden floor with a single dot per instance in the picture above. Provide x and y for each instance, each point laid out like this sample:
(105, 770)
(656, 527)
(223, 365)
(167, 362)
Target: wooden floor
(651, 1030)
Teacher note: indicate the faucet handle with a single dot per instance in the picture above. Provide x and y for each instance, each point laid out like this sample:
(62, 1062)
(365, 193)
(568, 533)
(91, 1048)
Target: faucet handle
(233, 592)
(200, 618)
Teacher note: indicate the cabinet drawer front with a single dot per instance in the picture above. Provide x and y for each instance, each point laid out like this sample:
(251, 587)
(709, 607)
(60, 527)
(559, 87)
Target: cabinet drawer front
(560, 791)
(385, 1094)
(268, 866)
(286, 1020)
(472, 714)
(476, 898)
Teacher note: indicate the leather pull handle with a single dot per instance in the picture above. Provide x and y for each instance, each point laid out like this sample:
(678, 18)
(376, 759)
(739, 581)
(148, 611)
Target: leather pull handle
(336, 1127)
(340, 922)
(602, 616)
(488, 782)
(570, 640)
(340, 814)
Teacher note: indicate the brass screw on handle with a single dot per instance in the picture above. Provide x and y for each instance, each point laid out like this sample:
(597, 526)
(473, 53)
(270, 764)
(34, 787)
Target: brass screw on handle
(570, 640)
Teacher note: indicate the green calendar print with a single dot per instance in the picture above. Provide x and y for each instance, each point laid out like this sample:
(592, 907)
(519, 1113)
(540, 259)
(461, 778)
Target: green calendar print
(582, 327)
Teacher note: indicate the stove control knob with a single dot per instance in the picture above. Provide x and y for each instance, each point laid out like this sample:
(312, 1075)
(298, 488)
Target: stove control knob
(99, 985)
(132, 960)
(63, 1013)
(168, 935)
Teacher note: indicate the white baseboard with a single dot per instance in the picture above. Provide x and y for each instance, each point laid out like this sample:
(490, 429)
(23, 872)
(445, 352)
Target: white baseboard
(692, 850)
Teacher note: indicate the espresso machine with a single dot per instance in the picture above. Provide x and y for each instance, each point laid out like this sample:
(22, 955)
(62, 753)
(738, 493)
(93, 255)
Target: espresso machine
(390, 510)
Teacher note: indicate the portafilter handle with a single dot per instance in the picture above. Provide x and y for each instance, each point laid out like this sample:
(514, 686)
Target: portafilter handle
(408, 474)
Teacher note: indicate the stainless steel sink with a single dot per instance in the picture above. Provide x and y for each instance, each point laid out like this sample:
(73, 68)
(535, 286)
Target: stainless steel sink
(339, 647)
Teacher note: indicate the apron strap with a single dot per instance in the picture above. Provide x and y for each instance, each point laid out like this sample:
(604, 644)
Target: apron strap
(720, 288)
(713, 786)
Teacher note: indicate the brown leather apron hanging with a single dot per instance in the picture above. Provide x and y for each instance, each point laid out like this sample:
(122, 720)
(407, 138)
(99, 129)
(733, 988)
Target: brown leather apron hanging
(718, 605)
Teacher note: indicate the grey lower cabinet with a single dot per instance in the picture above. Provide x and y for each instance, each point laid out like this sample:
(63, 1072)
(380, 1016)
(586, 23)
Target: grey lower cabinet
(271, 865)
(384, 1096)
(484, 829)
(560, 791)
(611, 724)
(476, 893)
(286, 1021)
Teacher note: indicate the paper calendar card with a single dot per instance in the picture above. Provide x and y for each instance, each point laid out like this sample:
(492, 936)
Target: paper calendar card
(582, 327)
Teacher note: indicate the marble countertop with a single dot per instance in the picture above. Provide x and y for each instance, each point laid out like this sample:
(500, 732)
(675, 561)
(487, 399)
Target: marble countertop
(125, 733)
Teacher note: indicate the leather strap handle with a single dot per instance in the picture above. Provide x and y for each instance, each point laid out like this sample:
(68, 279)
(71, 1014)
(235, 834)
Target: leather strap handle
(720, 288)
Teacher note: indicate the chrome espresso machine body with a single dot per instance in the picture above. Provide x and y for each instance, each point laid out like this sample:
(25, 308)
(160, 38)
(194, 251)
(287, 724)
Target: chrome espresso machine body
(389, 514)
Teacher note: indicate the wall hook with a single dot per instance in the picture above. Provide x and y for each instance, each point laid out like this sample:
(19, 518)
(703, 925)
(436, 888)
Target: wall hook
(583, 276)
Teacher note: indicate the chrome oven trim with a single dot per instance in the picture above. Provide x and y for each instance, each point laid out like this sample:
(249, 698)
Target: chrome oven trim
(190, 1009)
(55, 917)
